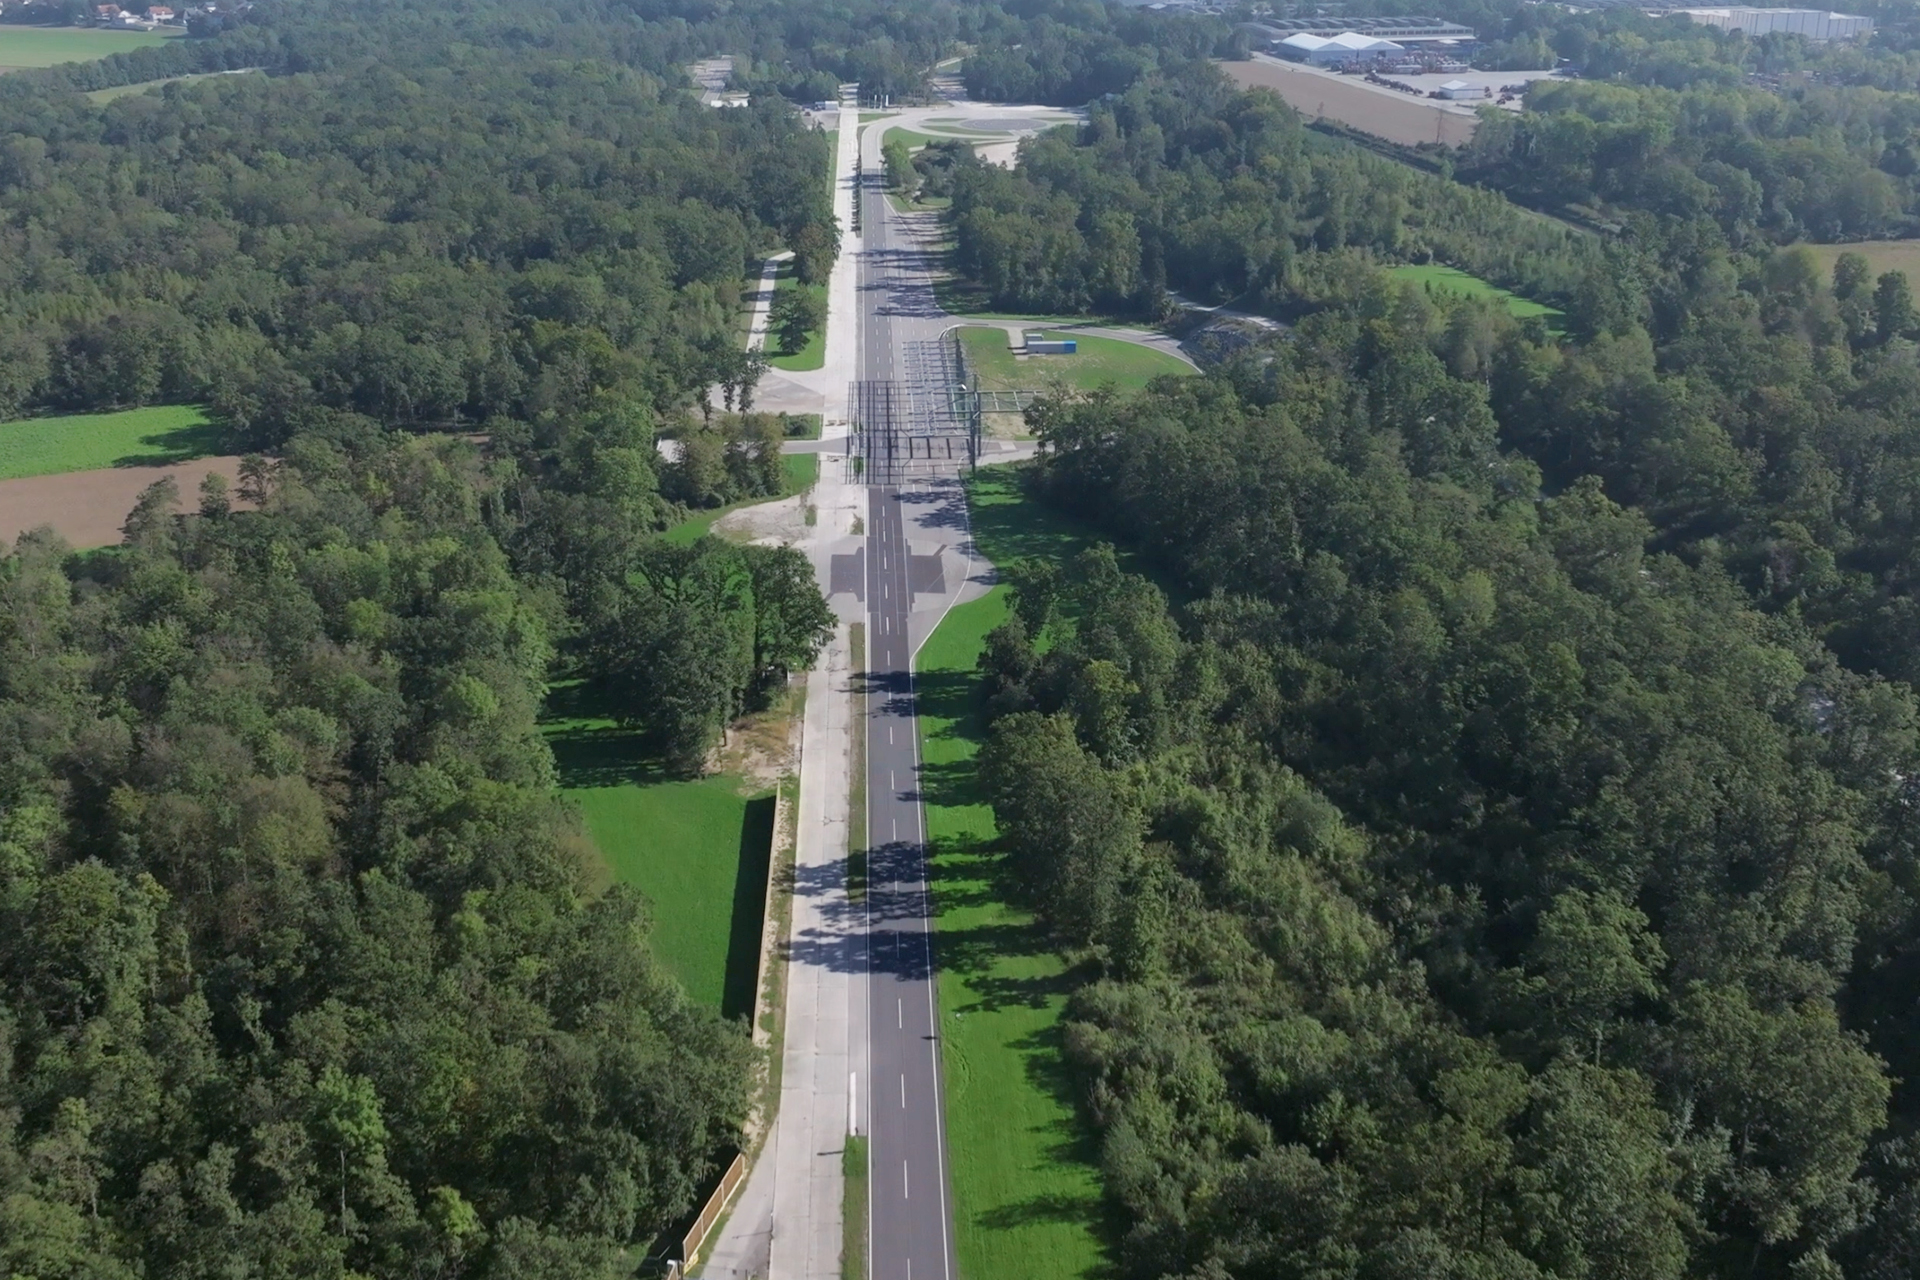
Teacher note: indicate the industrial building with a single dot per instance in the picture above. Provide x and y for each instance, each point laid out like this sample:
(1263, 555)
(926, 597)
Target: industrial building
(1814, 24)
(1351, 43)
(1410, 30)
(1336, 51)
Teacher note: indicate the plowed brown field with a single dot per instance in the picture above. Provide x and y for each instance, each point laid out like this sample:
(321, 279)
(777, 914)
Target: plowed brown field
(87, 508)
(1384, 113)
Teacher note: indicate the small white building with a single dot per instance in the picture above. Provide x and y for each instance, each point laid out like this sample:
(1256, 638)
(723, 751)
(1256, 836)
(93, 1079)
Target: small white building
(1457, 89)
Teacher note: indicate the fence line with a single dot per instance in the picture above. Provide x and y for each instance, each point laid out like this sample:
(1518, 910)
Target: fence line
(716, 1204)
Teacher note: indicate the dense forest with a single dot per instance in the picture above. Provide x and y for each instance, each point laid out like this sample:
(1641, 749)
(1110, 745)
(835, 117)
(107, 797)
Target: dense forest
(1476, 892)
(307, 967)
(1773, 137)
(1187, 184)
(1489, 826)
(1491, 823)
(265, 243)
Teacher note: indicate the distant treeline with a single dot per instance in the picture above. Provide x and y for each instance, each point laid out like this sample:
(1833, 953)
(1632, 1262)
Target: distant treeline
(1186, 183)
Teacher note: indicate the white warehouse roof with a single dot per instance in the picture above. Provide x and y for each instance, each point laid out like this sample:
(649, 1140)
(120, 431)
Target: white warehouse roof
(1349, 41)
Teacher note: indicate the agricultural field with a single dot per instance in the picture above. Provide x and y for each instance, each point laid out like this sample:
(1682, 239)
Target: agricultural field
(1438, 279)
(1026, 1190)
(1125, 366)
(699, 850)
(1397, 117)
(26, 48)
(1881, 255)
(154, 436)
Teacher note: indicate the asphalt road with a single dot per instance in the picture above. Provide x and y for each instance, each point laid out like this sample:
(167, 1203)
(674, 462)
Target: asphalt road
(910, 1204)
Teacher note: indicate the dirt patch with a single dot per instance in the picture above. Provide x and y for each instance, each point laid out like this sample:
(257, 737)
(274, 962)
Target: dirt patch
(1384, 113)
(87, 508)
(767, 524)
(762, 747)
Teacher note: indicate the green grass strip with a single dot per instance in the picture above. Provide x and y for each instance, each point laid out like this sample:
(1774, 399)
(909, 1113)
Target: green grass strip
(857, 788)
(1027, 1196)
(853, 1210)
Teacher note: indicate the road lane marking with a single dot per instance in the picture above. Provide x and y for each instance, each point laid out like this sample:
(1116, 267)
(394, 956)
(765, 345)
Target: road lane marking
(905, 1194)
(900, 1013)
(903, 1092)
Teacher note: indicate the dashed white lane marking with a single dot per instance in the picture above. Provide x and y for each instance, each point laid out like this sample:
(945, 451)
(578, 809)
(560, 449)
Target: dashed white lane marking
(905, 1194)
(900, 1014)
(903, 1092)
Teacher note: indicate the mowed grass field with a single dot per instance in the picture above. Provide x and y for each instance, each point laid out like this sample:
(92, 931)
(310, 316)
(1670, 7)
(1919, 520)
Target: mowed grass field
(1881, 255)
(814, 353)
(87, 441)
(698, 849)
(1438, 279)
(1126, 366)
(22, 48)
(1027, 1198)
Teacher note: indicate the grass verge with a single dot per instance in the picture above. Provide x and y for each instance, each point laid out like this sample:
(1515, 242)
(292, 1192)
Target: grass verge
(857, 787)
(1438, 279)
(153, 436)
(1027, 1196)
(853, 1210)
(932, 204)
(814, 353)
(803, 469)
(916, 139)
(966, 299)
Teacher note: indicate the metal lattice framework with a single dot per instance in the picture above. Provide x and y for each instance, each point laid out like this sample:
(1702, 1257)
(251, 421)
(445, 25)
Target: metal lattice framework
(928, 425)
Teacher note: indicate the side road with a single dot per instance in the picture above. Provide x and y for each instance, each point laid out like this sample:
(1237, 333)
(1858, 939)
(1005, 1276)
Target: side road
(786, 1221)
